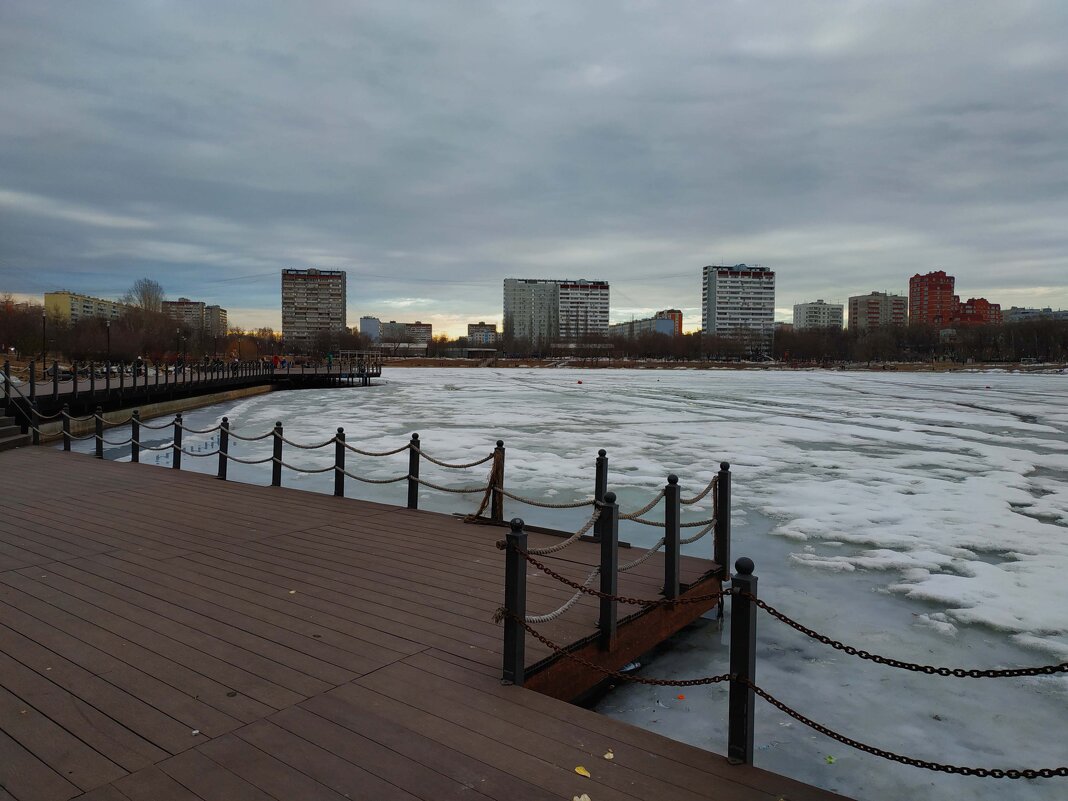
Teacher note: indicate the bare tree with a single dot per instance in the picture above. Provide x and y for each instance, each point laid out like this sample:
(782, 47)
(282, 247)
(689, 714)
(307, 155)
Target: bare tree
(145, 294)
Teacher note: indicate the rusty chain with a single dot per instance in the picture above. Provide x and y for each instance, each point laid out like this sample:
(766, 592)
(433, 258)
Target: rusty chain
(623, 599)
(615, 674)
(983, 773)
(930, 670)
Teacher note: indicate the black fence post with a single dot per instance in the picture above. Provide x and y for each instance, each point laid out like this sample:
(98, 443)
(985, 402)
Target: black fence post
(177, 461)
(339, 463)
(413, 473)
(74, 384)
(35, 423)
(107, 379)
(721, 548)
(55, 380)
(497, 475)
(672, 515)
(7, 383)
(92, 381)
(276, 462)
(98, 430)
(224, 446)
(743, 664)
(600, 487)
(66, 426)
(135, 436)
(33, 381)
(515, 604)
(606, 621)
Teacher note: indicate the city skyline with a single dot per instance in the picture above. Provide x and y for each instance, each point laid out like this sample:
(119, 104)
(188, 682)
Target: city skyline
(208, 148)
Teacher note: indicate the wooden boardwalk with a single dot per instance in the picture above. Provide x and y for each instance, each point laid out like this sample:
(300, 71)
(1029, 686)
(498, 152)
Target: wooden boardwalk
(168, 637)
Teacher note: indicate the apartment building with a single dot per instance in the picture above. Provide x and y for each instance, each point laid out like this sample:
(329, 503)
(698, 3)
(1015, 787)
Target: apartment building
(481, 333)
(70, 307)
(417, 332)
(739, 301)
(545, 310)
(313, 302)
(818, 314)
(931, 299)
(372, 328)
(877, 309)
(648, 325)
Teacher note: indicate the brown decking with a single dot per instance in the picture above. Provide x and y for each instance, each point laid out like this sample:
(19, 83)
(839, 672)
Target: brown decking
(166, 636)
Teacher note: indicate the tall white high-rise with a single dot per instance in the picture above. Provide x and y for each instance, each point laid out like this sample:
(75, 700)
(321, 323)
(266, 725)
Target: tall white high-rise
(739, 302)
(313, 302)
(818, 314)
(541, 310)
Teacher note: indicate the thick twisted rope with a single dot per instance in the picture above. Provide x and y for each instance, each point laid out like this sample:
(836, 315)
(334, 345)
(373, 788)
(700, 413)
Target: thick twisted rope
(641, 559)
(287, 465)
(373, 480)
(549, 549)
(544, 504)
(250, 461)
(330, 441)
(698, 535)
(199, 430)
(699, 496)
(535, 620)
(637, 513)
(460, 490)
(235, 435)
(450, 465)
(354, 449)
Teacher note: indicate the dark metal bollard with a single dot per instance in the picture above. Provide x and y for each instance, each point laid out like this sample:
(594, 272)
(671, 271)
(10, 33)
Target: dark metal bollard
(7, 383)
(135, 436)
(98, 427)
(35, 423)
(339, 463)
(600, 487)
(515, 603)
(122, 377)
(92, 380)
(743, 664)
(497, 497)
(413, 473)
(74, 383)
(224, 446)
(55, 381)
(177, 461)
(276, 462)
(107, 378)
(672, 534)
(721, 547)
(33, 381)
(65, 414)
(606, 621)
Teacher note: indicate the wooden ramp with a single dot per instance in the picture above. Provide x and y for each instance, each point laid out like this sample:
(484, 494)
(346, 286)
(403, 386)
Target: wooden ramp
(164, 635)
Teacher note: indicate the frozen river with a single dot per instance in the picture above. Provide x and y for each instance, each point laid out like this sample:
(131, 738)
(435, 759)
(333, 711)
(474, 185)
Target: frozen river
(920, 516)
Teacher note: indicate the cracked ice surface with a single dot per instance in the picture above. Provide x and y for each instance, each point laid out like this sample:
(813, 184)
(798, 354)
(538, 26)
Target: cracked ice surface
(921, 516)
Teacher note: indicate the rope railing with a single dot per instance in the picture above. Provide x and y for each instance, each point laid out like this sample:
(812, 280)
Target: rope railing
(450, 465)
(701, 495)
(536, 620)
(306, 447)
(459, 490)
(545, 504)
(406, 446)
(366, 480)
(637, 513)
(550, 549)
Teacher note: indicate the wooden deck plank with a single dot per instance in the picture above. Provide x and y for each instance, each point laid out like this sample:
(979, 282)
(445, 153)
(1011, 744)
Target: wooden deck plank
(27, 777)
(177, 638)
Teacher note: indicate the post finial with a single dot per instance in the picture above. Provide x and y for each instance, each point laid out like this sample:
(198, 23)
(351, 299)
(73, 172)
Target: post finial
(724, 465)
(516, 524)
(602, 453)
(226, 419)
(744, 566)
(673, 479)
(609, 497)
(340, 430)
(500, 443)
(415, 436)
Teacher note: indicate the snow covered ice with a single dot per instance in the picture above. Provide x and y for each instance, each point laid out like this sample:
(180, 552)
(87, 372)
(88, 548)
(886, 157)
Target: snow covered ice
(920, 516)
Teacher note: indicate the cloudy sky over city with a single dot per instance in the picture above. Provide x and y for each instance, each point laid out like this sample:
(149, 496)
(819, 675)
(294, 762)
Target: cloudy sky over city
(433, 149)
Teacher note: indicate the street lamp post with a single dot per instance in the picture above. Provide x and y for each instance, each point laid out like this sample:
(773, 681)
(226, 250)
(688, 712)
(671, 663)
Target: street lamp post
(44, 340)
(108, 324)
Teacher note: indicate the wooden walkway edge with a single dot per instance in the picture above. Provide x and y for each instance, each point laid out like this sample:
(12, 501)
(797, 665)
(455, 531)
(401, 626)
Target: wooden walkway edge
(168, 637)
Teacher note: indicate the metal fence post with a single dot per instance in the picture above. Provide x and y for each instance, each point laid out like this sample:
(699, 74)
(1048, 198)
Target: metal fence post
(92, 381)
(35, 423)
(98, 428)
(7, 383)
(600, 487)
(413, 473)
(497, 497)
(66, 426)
(721, 548)
(33, 381)
(672, 514)
(743, 664)
(135, 436)
(276, 462)
(107, 379)
(224, 446)
(122, 378)
(515, 604)
(74, 383)
(339, 463)
(177, 461)
(55, 380)
(606, 621)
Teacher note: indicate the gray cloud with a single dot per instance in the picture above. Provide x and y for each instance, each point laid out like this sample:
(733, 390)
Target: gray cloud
(433, 149)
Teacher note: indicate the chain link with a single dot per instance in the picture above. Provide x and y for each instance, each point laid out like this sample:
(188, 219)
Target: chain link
(992, 773)
(930, 670)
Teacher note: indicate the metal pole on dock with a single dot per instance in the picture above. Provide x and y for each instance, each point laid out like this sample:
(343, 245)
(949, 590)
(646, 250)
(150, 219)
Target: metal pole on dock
(721, 547)
(672, 515)
(224, 447)
(55, 380)
(515, 604)
(600, 487)
(98, 427)
(606, 621)
(497, 499)
(413, 473)
(339, 463)
(7, 383)
(276, 462)
(74, 384)
(66, 427)
(177, 461)
(33, 381)
(743, 664)
(135, 436)
(107, 379)
(35, 426)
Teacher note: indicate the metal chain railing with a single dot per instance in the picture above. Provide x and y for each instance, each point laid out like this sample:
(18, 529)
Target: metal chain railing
(549, 549)
(930, 670)
(993, 773)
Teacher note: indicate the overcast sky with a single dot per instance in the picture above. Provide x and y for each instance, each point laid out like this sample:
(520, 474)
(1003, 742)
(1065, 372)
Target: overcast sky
(432, 149)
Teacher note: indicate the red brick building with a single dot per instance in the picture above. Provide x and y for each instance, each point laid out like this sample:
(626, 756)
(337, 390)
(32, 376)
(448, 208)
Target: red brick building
(978, 311)
(674, 315)
(931, 299)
